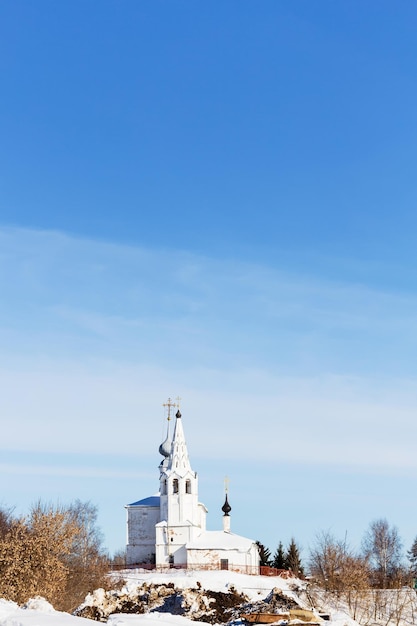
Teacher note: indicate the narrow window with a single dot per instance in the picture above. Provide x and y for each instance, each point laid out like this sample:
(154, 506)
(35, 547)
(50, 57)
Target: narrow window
(224, 563)
(188, 486)
(175, 485)
(164, 487)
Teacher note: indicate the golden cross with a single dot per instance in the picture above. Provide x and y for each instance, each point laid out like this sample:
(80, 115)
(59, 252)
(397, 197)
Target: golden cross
(171, 405)
(226, 484)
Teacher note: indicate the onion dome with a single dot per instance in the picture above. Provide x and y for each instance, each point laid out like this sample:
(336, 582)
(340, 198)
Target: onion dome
(226, 508)
(165, 447)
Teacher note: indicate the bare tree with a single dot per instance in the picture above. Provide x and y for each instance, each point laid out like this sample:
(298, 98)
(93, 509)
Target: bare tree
(88, 542)
(87, 562)
(31, 554)
(326, 561)
(6, 518)
(335, 567)
(382, 547)
(355, 582)
(54, 552)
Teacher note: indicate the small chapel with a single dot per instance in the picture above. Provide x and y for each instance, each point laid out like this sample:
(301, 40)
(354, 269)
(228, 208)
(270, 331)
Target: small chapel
(169, 529)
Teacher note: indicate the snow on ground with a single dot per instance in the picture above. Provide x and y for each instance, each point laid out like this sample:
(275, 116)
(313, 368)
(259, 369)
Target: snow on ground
(255, 587)
(150, 619)
(12, 615)
(38, 612)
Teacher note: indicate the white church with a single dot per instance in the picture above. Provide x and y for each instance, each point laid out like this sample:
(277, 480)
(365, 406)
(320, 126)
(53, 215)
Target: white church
(169, 529)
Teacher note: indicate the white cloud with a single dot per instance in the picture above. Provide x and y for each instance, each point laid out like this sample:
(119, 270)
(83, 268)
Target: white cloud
(94, 336)
(19, 469)
(237, 415)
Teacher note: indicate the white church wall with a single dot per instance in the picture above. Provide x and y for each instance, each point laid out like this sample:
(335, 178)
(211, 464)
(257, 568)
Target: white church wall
(202, 513)
(171, 542)
(164, 507)
(234, 560)
(180, 555)
(161, 544)
(141, 535)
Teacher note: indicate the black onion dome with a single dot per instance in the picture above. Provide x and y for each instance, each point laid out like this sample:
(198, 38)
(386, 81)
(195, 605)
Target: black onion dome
(226, 508)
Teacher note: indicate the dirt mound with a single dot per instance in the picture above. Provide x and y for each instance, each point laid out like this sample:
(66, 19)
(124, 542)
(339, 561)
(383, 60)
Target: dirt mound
(275, 602)
(213, 607)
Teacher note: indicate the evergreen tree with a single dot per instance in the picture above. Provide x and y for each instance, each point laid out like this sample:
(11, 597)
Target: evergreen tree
(264, 553)
(293, 560)
(412, 557)
(279, 557)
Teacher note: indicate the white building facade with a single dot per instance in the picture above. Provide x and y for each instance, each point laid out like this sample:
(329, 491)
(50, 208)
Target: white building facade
(170, 529)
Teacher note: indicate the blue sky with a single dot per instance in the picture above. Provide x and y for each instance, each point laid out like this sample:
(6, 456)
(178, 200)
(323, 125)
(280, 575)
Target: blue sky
(217, 201)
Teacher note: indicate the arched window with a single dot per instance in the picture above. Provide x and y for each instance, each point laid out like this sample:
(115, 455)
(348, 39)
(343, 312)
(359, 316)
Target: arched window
(188, 486)
(175, 485)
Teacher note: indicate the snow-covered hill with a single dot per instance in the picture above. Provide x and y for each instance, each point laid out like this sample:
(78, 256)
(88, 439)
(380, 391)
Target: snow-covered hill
(196, 590)
(181, 598)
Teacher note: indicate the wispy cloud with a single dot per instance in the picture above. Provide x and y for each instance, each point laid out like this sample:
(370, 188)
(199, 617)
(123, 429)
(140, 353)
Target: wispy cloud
(95, 335)
(105, 298)
(13, 469)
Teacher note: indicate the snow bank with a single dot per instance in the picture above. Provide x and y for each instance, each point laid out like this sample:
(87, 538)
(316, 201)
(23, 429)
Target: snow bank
(38, 612)
(255, 587)
(149, 619)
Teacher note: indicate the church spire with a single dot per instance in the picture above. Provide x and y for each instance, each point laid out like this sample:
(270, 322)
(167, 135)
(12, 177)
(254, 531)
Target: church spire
(178, 460)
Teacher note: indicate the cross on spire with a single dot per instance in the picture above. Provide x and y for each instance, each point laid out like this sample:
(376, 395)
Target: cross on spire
(171, 405)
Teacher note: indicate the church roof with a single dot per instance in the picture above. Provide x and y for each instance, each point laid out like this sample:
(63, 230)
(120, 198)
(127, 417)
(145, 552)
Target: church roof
(151, 501)
(218, 539)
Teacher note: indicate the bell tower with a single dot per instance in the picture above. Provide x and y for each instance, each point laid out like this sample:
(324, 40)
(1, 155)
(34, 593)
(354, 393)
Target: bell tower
(182, 517)
(178, 482)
